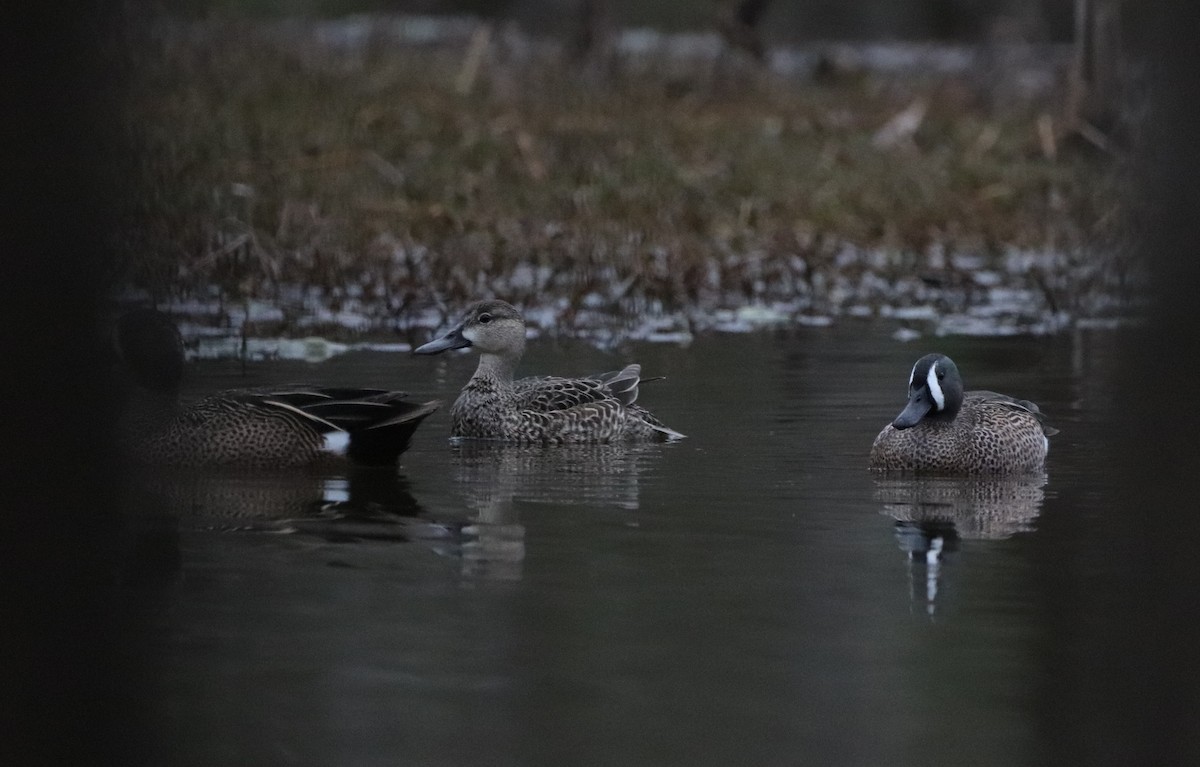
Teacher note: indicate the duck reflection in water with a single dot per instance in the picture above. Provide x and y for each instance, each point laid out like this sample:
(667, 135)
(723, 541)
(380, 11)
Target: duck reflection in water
(496, 478)
(934, 515)
(359, 504)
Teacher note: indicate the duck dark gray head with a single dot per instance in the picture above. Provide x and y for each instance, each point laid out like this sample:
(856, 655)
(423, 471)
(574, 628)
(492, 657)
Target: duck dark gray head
(935, 392)
(492, 327)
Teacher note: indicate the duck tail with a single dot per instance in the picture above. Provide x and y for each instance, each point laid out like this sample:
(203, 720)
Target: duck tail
(668, 434)
(661, 430)
(623, 383)
(381, 443)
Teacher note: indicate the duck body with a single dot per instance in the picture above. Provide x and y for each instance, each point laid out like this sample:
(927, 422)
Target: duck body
(289, 427)
(282, 427)
(553, 410)
(549, 409)
(945, 430)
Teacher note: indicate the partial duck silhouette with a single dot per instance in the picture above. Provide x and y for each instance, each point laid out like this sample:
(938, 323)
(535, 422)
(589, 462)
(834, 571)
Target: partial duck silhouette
(280, 427)
(548, 410)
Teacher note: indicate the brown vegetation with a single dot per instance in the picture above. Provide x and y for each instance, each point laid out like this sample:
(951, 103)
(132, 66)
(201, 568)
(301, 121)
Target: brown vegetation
(399, 176)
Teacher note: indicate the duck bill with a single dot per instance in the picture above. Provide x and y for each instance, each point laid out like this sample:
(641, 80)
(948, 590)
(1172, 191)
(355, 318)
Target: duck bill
(452, 340)
(918, 405)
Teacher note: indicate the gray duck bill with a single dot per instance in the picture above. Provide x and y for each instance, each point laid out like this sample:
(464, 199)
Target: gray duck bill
(452, 340)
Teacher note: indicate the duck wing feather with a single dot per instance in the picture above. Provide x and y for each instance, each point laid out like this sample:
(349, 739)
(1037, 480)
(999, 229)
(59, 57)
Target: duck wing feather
(983, 396)
(547, 394)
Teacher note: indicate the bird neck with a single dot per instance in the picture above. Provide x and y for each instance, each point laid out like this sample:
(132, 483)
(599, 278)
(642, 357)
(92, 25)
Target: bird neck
(496, 368)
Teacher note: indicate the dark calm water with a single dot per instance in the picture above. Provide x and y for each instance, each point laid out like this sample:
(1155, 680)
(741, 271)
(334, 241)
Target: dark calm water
(751, 595)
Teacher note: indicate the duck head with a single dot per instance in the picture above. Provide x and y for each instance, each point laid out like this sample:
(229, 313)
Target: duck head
(935, 391)
(492, 327)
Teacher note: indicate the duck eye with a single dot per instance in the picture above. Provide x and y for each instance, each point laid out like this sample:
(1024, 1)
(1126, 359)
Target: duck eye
(485, 319)
(941, 375)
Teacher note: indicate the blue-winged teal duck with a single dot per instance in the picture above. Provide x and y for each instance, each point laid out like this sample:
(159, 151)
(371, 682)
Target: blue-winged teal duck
(283, 427)
(547, 410)
(945, 430)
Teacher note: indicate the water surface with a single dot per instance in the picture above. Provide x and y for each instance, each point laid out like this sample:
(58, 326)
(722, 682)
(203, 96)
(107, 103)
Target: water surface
(750, 595)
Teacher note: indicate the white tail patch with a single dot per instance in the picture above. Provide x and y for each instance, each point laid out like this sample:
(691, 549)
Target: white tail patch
(935, 389)
(337, 442)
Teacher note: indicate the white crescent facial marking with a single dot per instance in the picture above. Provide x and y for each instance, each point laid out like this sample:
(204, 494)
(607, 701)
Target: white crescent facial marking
(913, 375)
(935, 389)
(469, 334)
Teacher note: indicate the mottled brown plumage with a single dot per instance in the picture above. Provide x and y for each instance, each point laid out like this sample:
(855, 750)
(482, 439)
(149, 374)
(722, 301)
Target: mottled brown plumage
(281, 427)
(944, 430)
(549, 410)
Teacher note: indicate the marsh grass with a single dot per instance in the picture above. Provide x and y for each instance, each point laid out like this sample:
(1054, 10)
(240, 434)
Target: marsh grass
(275, 167)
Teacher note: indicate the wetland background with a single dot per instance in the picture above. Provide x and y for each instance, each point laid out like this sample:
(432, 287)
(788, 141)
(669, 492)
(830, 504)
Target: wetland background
(269, 179)
(371, 173)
